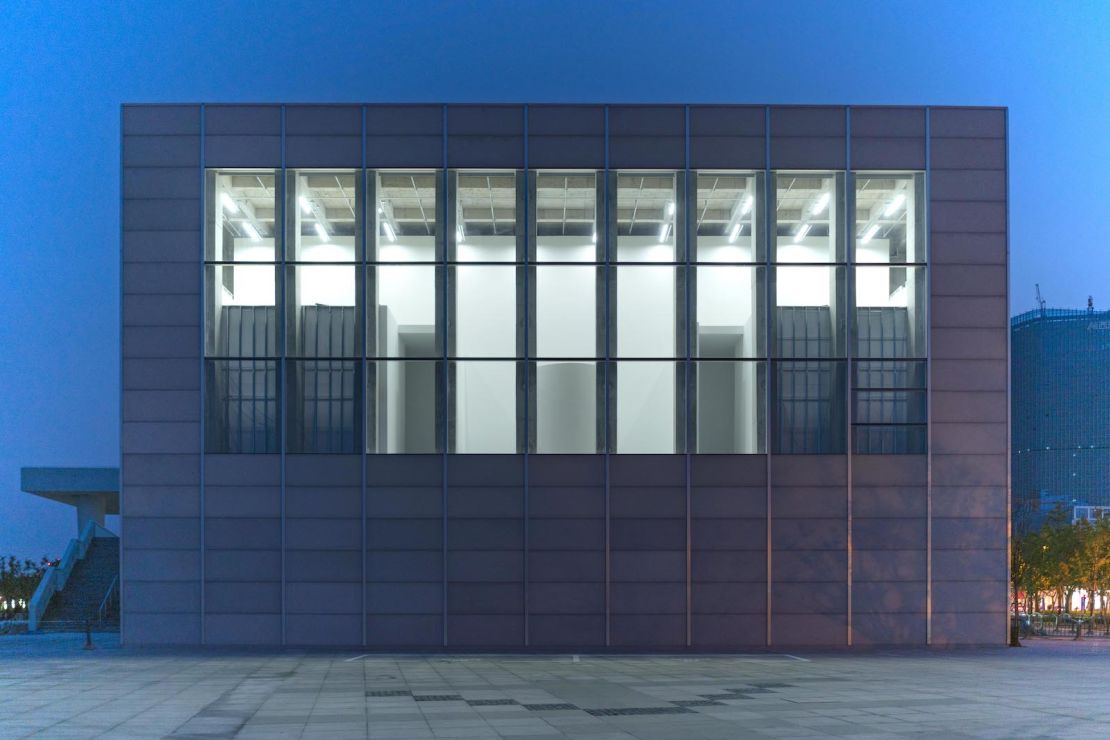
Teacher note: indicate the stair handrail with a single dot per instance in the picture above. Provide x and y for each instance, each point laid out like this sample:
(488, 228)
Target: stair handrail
(102, 610)
(55, 576)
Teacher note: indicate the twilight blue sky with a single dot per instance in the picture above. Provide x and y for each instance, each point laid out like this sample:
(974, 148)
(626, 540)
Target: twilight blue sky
(65, 68)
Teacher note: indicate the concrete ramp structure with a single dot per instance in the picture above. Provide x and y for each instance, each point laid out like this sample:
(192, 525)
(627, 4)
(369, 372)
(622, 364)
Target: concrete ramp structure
(82, 588)
(94, 492)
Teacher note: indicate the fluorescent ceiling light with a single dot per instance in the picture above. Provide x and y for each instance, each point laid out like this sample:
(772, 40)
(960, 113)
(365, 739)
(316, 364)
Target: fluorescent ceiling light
(821, 204)
(894, 205)
(663, 232)
(734, 233)
(670, 208)
(460, 235)
(229, 204)
(801, 233)
(595, 236)
(746, 206)
(306, 209)
(321, 231)
(251, 231)
(381, 209)
(389, 232)
(871, 231)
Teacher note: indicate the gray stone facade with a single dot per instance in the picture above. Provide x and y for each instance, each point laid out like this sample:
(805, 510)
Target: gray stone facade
(515, 552)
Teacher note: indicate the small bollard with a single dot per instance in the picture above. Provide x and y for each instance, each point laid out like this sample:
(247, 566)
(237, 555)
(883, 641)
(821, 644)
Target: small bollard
(1078, 631)
(88, 636)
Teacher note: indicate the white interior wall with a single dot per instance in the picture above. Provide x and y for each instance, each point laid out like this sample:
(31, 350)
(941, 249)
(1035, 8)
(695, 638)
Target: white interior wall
(728, 396)
(485, 326)
(876, 251)
(804, 286)
(725, 299)
(485, 311)
(645, 311)
(718, 249)
(873, 289)
(752, 322)
(326, 285)
(566, 311)
(408, 293)
(486, 249)
(406, 303)
(646, 407)
(255, 285)
(646, 328)
(336, 249)
(566, 326)
(645, 249)
(248, 250)
(911, 226)
(565, 249)
(485, 413)
(746, 402)
(566, 407)
(407, 249)
(809, 250)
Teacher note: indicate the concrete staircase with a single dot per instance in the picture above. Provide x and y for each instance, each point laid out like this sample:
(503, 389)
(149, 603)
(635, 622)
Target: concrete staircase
(80, 600)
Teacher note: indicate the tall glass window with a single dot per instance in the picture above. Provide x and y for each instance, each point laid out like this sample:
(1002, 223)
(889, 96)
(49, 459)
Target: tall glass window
(566, 338)
(728, 283)
(646, 291)
(498, 311)
(323, 215)
(404, 336)
(405, 211)
(485, 336)
(889, 323)
(242, 239)
(808, 313)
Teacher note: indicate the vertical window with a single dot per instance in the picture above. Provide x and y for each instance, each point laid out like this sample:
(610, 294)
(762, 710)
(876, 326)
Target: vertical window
(809, 322)
(486, 321)
(728, 283)
(324, 315)
(889, 323)
(646, 335)
(566, 336)
(728, 214)
(406, 213)
(241, 312)
(404, 289)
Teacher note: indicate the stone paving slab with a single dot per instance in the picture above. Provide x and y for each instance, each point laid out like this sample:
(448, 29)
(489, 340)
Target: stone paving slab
(51, 688)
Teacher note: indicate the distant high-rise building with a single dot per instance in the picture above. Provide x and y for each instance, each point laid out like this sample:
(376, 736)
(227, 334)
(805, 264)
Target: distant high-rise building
(1060, 370)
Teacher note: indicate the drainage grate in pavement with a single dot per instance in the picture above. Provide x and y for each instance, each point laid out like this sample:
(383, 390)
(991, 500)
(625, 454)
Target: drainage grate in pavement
(698, 703)
(491, 702)
(438, 697)
(631, 711)
(548, 707)
(394, 692)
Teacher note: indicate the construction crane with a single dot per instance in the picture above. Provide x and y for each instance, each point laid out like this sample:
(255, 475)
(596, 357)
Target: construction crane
(1040, 300)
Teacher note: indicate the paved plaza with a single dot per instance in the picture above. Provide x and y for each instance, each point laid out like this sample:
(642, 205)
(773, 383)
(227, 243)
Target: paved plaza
(51, 687)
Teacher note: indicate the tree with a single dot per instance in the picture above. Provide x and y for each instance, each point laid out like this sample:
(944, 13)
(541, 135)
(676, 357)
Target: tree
(1060, 542)
(1102, 564)
(18, 581)
(1026, 558)
(1097, 563)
